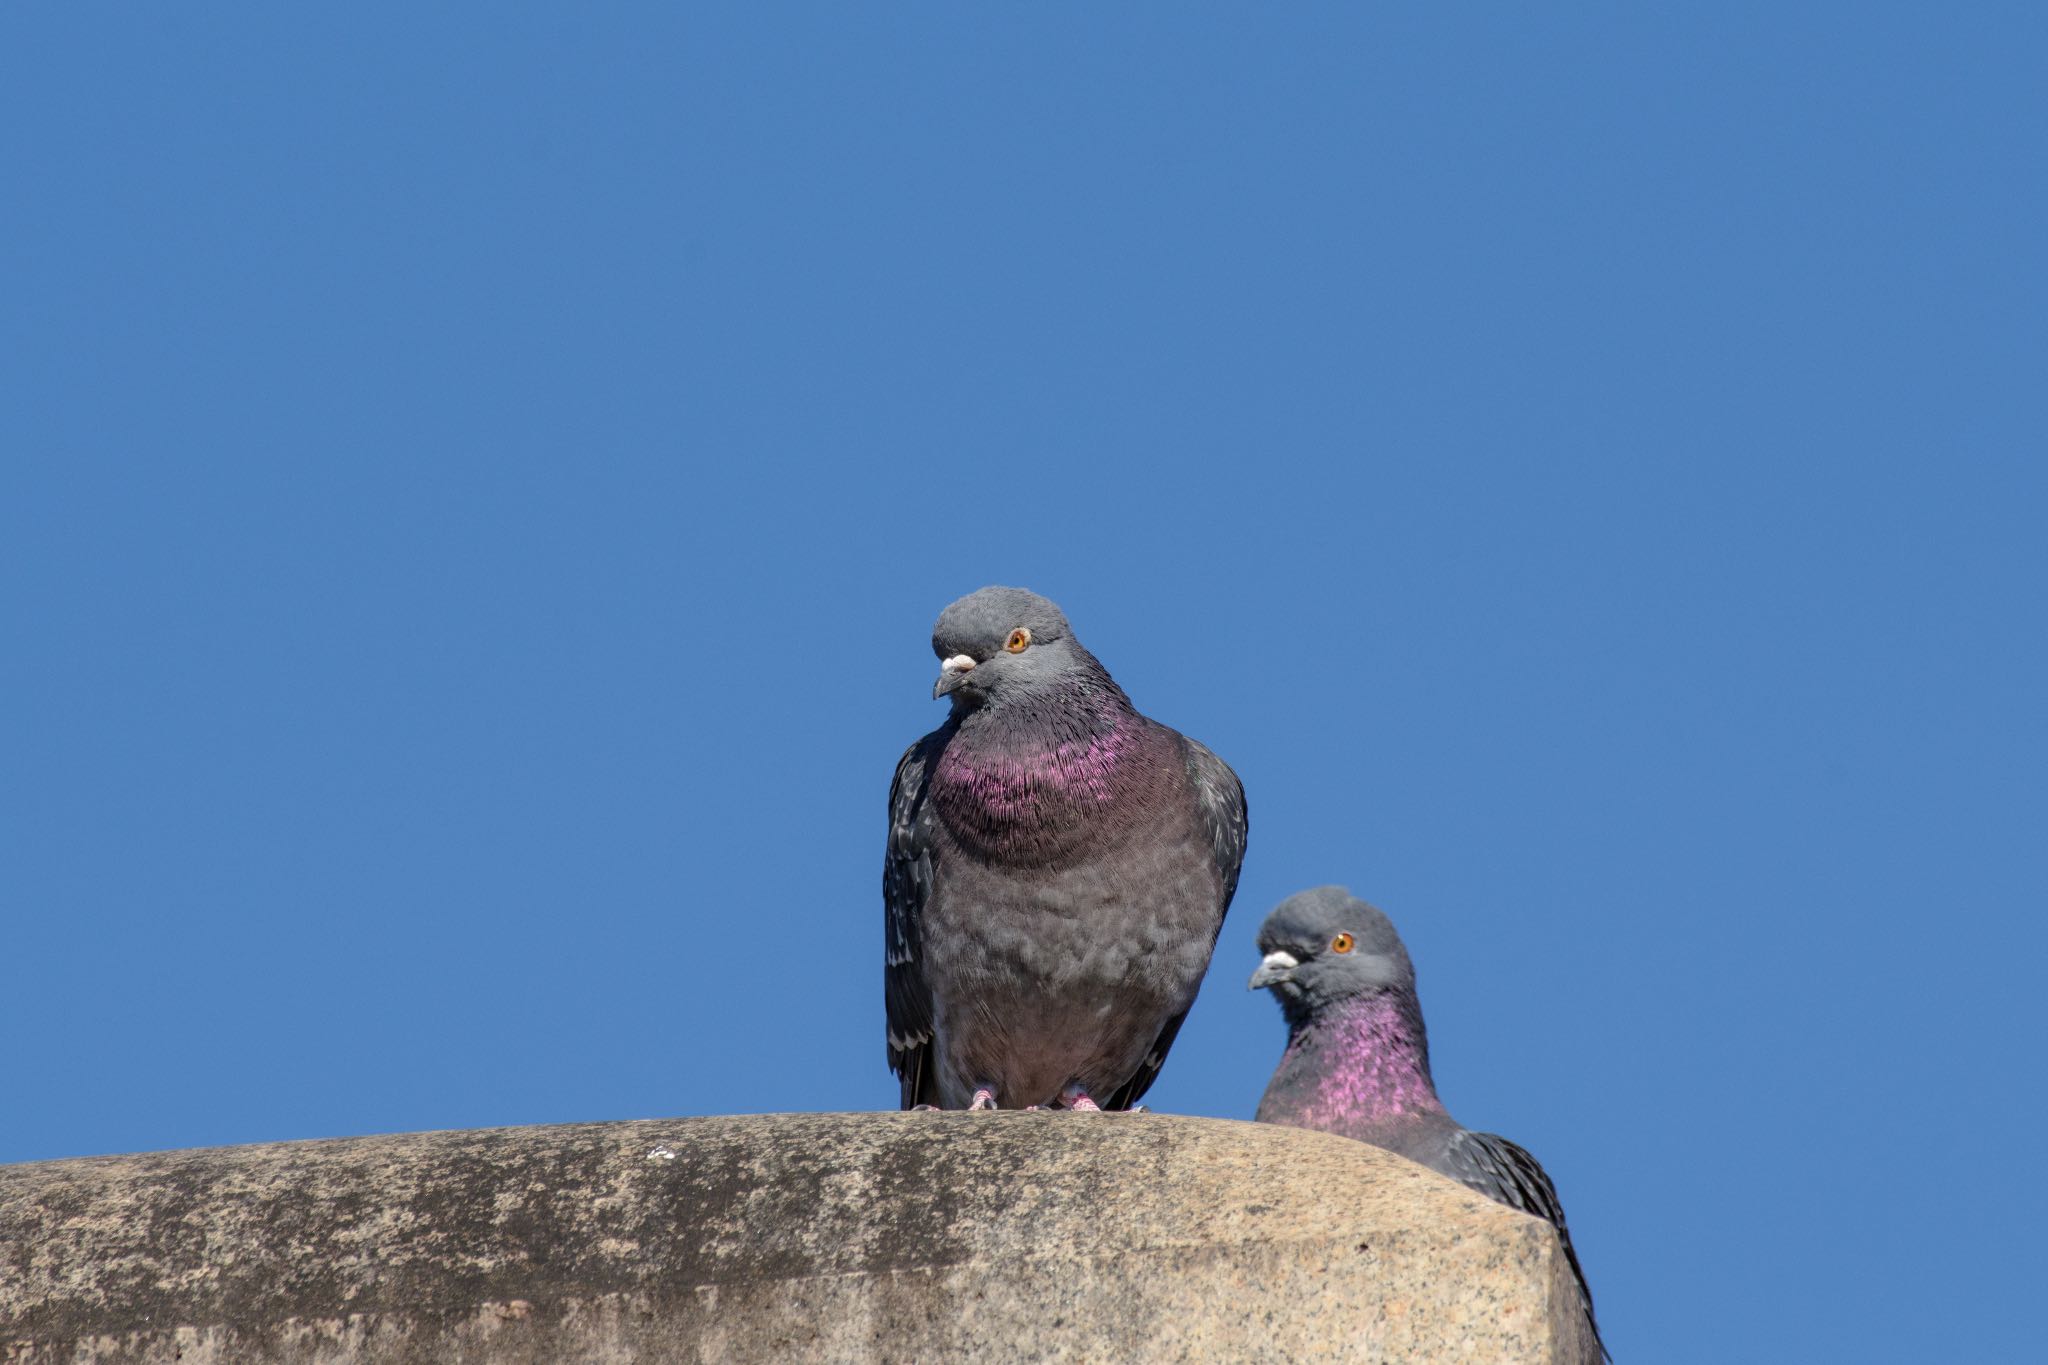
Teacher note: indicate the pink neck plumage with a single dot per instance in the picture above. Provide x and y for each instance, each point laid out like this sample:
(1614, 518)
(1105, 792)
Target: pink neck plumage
(1375, 1063)
(1008, 784)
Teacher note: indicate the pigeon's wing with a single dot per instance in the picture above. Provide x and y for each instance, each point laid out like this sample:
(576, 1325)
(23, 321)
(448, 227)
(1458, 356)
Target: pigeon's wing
(1219, 804)
(1503, 1171)
(906, 885)
(1219, 796)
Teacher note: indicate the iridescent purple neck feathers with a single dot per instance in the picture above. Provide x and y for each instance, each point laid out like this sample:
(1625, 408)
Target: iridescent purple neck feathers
(1361, 1067)
(1020, 779)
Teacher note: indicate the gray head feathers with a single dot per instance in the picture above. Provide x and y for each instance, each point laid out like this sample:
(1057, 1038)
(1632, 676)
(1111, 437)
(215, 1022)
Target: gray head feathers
(1325, 945)
(1001, 645)
(980, 623)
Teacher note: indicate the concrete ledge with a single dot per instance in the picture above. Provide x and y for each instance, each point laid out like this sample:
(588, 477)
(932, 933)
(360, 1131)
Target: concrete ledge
(886, 1237)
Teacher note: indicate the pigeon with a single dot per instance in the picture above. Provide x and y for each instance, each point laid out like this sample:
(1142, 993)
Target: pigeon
(1357, 1059)
(1058, 869)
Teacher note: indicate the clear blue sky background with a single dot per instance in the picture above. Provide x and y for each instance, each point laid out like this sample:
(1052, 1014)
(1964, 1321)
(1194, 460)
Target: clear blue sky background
(478, 485)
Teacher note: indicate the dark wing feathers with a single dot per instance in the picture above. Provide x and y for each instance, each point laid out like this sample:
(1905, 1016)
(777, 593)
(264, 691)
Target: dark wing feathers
(1133, 1090)
(1503, 1171)
(1219, 799)
(906, 883)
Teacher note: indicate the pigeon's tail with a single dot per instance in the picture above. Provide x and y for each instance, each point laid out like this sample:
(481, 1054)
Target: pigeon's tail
(920, 1088)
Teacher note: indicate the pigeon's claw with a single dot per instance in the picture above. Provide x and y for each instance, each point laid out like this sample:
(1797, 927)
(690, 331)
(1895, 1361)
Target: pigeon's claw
(1077, 1099)
(984, 1098)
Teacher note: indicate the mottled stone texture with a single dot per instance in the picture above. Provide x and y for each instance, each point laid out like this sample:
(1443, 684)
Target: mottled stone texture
(898, 1237)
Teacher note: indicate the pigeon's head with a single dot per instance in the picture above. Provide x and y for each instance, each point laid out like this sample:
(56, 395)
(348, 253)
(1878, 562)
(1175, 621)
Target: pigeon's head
(1325, 945)
(1000, 642)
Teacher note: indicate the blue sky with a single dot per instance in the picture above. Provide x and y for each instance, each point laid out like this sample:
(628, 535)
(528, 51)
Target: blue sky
(478, 486)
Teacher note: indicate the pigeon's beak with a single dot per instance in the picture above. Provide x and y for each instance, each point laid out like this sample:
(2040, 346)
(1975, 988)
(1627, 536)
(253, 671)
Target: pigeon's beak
(1277, 967)
(952, 673)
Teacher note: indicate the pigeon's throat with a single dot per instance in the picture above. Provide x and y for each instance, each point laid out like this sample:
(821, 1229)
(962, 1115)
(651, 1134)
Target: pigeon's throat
(1369, 1060)
(1005, 785)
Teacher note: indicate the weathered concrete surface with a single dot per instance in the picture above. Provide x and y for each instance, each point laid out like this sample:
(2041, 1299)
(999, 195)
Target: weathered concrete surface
(897, 1237)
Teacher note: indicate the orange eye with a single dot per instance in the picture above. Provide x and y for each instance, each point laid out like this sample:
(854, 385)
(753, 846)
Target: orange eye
(1019, 638)
(1341, 944)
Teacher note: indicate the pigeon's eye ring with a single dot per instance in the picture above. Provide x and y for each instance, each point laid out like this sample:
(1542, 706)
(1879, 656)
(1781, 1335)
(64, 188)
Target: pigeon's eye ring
(1341, 944)
(1019, 638)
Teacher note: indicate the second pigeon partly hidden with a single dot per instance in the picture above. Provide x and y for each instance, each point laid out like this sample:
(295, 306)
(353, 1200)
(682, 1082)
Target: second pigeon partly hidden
(1357, 1059)
(1057, 871)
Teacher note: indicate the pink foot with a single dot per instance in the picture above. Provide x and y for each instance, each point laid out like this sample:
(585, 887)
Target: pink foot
(1077, 1099)
(984, 1098)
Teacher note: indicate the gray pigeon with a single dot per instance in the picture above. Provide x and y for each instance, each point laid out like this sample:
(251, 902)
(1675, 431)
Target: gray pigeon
(1357, 1059)
(1057, 872)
